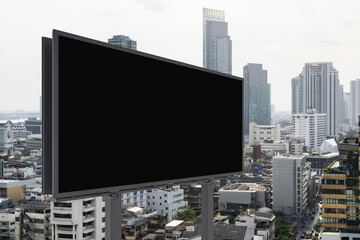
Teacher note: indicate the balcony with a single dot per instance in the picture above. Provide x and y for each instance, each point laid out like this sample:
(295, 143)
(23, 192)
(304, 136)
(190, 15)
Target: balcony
(88, 207)
(61, 209)
(88, 238)
(88, 218)
(334, 215)
(65, 229)
(88, 229)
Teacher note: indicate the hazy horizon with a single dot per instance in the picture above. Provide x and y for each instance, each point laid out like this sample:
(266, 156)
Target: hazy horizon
(282, 35)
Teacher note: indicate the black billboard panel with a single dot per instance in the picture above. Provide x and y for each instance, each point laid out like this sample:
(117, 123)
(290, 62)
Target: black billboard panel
(123, 120)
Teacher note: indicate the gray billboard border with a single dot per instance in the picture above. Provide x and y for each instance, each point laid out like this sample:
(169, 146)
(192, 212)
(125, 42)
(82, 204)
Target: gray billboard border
(46, 88)
(57, 196)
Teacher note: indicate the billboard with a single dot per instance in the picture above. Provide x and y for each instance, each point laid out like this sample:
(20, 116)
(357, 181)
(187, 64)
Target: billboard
(125, 120)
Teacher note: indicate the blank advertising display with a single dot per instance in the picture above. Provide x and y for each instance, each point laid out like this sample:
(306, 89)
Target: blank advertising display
(126, 120)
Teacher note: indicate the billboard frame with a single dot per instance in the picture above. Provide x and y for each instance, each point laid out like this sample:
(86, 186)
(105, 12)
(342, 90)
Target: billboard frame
(55, 127)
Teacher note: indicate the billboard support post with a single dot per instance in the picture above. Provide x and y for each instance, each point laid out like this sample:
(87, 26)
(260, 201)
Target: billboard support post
(207, 210)
(113, 216)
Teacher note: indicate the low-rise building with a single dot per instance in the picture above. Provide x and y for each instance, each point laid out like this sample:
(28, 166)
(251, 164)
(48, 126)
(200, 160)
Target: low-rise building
(192, 195)
(34, 141)
(276, 147)
(174, 229)
(296, 146)
(167, 200)
(14, 189)
(258, 224)
(137, 198)
(6, 138)
(320, 161)
(33, 125)
(19, 130)
(32, 220)
(237, 196)
(134, 220)
(7, 224)
(260, 133)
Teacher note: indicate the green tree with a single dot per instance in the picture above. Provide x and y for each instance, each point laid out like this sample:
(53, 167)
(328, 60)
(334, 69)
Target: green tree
(188, 214)
(231, 221)
(283, 229)
(317, 226)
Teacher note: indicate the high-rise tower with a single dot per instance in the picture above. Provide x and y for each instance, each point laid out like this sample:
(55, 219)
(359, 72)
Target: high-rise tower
(122, 41)
(354, 101)
(257, 96)
(320, 91)
(217, 45)
(296, 95)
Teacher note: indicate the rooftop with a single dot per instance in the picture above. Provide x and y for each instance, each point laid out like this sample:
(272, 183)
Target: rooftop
(242, 187)
(352, 140)
(33, 204)
(174, 223)
(8, 183)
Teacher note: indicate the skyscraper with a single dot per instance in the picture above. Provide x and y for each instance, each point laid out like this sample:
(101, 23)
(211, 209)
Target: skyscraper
(257, 97)
(217, 45)
(347, 107)
(341, 103)
(296, 95)
(122, 41)
(354, 102)
(320, 91)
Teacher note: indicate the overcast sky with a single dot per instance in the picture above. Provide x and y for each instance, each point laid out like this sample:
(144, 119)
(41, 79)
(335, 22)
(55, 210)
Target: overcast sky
(280, 34)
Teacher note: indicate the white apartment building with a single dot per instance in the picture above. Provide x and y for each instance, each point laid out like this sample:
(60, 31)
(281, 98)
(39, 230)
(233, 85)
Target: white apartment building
(261, 133)
(7, 224)
(78, 219)
(312, 127)
(290, 184)
(6, 137)
(166, 200)
(136, 198)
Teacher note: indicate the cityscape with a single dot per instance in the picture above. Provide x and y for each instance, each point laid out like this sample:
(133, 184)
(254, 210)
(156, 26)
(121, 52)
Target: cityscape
(301, 167)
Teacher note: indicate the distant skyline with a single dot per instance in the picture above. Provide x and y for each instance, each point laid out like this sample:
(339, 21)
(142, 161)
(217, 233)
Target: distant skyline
(281, 35)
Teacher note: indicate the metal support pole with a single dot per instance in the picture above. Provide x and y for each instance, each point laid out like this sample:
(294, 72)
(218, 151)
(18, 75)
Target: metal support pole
(207, 210)
(113, 216)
